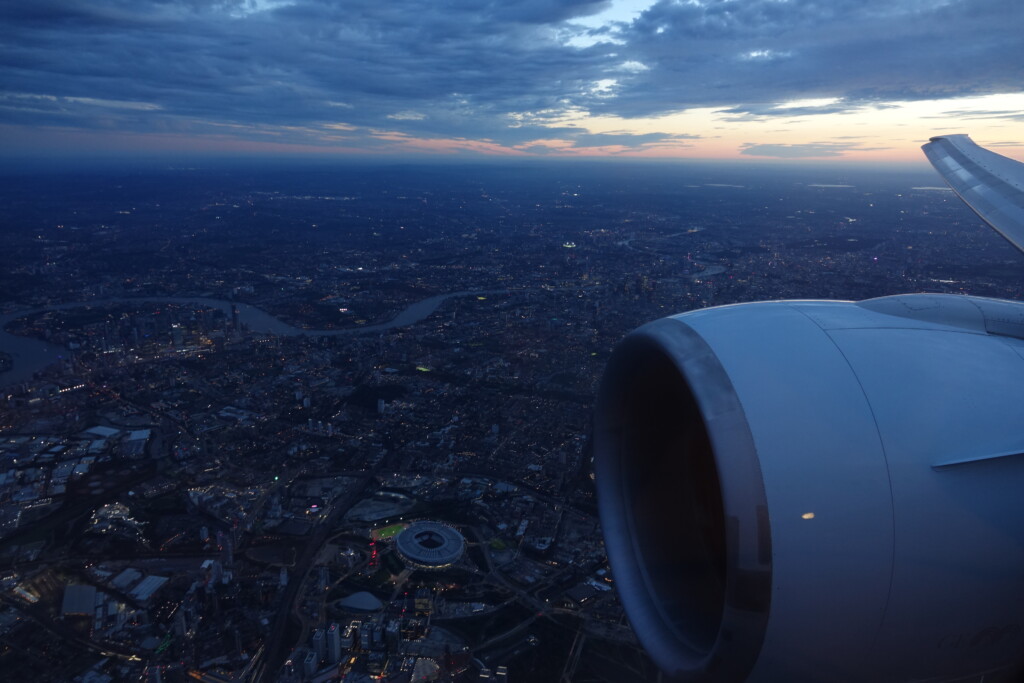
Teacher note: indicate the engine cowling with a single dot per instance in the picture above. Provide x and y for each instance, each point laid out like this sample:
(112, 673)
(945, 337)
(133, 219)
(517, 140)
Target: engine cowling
(819, 490)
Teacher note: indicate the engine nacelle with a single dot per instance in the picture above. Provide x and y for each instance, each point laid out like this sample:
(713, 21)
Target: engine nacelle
(820, 490)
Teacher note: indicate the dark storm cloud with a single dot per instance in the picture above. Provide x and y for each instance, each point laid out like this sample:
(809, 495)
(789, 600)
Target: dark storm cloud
(496, 71)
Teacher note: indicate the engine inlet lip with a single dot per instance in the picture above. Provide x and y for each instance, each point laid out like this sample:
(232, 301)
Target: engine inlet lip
(730, 652)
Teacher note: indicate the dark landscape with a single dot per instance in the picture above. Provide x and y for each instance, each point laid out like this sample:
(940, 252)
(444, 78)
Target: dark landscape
(231, 390)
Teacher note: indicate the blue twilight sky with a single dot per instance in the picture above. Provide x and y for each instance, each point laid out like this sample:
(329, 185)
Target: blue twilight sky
(856, 79)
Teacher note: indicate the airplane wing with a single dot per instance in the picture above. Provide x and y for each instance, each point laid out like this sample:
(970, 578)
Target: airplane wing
(990, 184)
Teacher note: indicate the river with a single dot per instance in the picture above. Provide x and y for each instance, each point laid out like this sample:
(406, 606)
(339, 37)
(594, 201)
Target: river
(710, 269)
(31, 355)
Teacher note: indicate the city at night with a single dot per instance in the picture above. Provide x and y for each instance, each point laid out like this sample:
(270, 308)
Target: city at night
(311, 342)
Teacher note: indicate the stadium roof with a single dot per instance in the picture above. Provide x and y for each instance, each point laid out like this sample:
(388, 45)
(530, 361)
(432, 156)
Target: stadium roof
(430, 545)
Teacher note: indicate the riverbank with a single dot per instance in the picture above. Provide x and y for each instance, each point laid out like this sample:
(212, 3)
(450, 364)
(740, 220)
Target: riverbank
(28, 355)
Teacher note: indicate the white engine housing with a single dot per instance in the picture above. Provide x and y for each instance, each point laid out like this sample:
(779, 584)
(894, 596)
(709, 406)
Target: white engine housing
(820, 490)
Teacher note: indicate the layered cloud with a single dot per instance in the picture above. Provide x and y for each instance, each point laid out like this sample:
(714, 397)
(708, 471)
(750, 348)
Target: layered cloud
(515, 77)
(746, 53)
(805, 150)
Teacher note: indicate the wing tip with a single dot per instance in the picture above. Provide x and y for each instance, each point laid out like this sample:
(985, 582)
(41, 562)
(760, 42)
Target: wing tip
(991, 184)
(949, 137)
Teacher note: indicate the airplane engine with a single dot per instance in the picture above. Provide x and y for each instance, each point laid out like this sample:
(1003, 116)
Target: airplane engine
(820, 490)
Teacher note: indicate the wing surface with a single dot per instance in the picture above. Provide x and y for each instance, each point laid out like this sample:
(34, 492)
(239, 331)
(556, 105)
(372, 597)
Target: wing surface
(990, 184)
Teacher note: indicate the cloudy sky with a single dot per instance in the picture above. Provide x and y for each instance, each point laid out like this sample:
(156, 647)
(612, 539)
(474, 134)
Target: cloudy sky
(814, 79)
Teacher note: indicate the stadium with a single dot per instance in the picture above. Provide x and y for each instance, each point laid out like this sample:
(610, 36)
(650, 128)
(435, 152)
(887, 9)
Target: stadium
(430, 545)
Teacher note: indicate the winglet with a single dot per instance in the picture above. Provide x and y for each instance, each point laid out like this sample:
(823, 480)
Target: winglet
(990, 184)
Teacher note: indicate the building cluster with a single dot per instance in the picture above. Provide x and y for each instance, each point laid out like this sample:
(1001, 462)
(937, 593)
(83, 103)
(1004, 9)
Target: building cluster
(279, 456)
(43, 472)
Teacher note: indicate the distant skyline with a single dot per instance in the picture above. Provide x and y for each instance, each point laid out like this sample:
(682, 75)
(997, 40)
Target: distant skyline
(857, 80)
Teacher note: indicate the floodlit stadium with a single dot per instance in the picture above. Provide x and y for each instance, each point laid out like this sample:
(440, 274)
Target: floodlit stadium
(430, 545)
